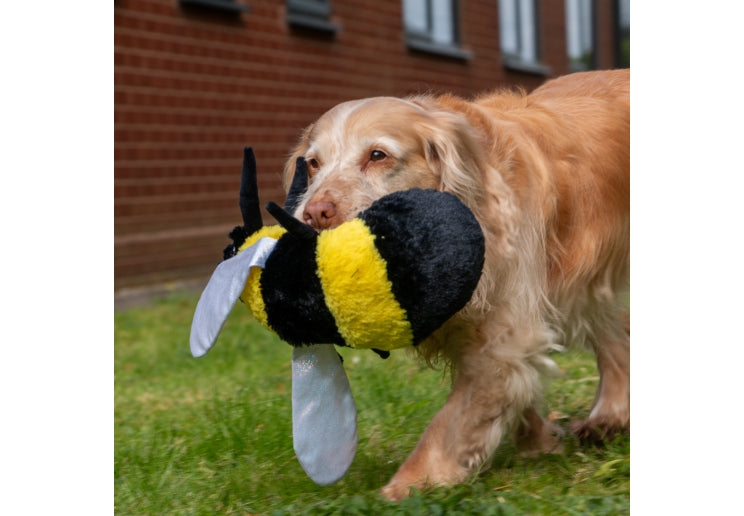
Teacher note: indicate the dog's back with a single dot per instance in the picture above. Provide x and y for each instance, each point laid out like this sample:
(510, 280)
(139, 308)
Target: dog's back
(573, 158)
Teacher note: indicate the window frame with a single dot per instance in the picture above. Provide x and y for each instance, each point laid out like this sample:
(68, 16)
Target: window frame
(226, 6)
(583, 63)
(423, 40)
(515, 60)
(311, 14)
(622, 33)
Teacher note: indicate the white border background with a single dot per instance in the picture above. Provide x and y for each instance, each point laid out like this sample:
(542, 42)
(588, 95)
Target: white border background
(56, 202)
(56, 374)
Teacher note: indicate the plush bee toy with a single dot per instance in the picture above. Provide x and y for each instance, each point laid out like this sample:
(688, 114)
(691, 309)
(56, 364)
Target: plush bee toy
(384, 280)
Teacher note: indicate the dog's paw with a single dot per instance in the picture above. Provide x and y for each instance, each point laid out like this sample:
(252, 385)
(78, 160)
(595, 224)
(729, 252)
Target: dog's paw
(597, 431)
(549, 440)
(395, 491)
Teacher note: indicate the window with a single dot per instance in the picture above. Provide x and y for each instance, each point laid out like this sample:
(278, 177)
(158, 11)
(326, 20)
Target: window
(226, 6)
(623, 33)
(431, 26)
(580, 34)
(312, 14)
(518, 24)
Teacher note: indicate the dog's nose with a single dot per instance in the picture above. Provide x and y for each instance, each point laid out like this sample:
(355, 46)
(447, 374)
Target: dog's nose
(320, 215)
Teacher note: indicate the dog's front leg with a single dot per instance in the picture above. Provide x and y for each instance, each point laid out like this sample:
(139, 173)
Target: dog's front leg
(611, 411)
(490, 392)
(432, 461)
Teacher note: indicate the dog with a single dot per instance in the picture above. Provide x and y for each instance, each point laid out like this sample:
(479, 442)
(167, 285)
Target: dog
(547, 175)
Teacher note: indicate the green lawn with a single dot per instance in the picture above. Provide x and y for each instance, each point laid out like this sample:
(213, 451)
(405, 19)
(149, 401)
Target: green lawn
(213, 435)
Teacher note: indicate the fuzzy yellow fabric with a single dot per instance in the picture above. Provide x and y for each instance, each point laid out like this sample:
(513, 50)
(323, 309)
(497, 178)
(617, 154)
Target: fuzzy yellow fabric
(251, 295)
(357, 290)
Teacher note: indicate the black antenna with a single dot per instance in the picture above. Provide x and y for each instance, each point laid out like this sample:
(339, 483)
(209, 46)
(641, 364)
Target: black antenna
(249, 205)
(291, 224)
(299, 185)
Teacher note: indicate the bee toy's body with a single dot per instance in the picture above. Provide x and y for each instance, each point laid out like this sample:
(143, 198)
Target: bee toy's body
(362, 284)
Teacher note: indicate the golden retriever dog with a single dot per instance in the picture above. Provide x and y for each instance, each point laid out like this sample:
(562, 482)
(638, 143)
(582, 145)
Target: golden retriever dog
(547, 175)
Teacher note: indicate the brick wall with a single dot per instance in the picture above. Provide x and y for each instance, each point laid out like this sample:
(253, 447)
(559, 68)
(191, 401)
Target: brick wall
(193, 87)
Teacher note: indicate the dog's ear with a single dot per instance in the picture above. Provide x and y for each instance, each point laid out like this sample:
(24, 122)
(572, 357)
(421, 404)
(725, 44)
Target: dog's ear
(452, 151)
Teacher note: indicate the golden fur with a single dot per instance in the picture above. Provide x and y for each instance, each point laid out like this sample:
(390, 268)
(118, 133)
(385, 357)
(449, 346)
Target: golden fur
(547, 176)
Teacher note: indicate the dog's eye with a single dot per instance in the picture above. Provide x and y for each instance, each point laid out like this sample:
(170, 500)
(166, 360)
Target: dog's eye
(377, 155)
(312, 165)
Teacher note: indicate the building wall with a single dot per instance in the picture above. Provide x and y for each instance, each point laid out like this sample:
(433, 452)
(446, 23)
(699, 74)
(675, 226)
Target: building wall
(193, 87)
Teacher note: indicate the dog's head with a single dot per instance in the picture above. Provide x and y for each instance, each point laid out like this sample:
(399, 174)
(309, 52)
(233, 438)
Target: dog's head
(364, 149)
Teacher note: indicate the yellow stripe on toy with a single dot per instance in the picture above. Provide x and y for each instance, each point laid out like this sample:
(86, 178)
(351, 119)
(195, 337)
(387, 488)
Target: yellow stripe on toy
(357, 289)
(274, 232)
(251, 295)
(253, 299)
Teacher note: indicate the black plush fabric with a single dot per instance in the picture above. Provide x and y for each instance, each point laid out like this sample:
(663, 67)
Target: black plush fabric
(434, 249)
(382, 354)
(238, 235)
(293, 296)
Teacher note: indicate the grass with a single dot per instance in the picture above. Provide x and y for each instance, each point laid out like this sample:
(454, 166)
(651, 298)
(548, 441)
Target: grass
(213, 435)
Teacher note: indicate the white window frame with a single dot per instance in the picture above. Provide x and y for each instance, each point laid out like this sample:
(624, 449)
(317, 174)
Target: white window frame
(580, 40)
(432, 26)
(519, 34)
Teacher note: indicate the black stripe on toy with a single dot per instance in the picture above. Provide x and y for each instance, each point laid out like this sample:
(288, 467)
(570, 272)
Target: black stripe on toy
(295, 307)
(434, 249)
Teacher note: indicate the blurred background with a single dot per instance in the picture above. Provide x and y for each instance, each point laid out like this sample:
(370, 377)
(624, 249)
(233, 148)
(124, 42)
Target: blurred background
(197, 80)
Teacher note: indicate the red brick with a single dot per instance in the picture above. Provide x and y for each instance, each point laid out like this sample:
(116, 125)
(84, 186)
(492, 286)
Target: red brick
(192, 89)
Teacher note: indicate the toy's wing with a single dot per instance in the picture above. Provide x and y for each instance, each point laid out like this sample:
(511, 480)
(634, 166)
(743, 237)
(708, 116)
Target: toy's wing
(222, 292)
(324, 427)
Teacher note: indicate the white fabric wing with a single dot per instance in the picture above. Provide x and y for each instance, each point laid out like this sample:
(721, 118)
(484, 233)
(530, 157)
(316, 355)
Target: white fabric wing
(222, 292)
(324, 428)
